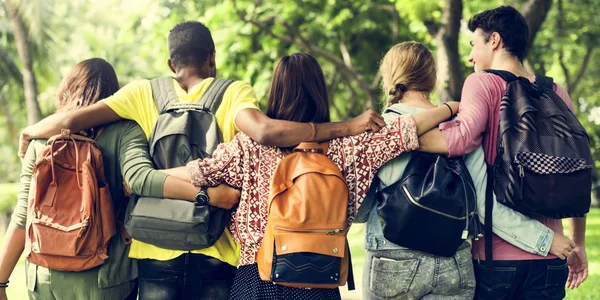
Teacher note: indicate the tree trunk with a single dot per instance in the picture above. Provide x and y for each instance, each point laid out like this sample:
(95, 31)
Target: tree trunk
(449, 77)
(535, 12)
(10, 121)
(24, 49)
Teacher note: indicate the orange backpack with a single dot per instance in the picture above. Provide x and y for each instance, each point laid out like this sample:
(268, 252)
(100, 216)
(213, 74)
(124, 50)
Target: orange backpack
(305, 240)
(70, 214)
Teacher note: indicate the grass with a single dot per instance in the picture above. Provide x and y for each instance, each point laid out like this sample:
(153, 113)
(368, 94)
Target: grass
(588, 290)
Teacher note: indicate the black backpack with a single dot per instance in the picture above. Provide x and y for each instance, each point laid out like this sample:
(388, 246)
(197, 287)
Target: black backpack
(432, 208)
(183, 132)
(543, 165)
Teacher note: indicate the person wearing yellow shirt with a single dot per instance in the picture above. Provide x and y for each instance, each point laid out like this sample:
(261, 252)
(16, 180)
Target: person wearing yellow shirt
(203, 273)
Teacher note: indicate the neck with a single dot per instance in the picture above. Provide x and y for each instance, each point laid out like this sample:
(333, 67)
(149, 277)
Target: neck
(510, 63)
(188, 77)
(416, 99)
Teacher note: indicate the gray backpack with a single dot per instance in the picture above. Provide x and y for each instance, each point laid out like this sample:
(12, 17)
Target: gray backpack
(183, 132)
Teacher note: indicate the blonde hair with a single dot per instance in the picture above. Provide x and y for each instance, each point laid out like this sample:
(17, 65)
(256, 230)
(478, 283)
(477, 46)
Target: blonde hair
(408, 66)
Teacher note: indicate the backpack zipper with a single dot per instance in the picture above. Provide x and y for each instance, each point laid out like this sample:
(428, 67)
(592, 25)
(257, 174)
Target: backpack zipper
(413, 201)
(328, 231)
(521, 179)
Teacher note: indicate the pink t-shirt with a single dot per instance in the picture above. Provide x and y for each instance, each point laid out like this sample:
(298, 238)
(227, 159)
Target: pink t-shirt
(477, 124)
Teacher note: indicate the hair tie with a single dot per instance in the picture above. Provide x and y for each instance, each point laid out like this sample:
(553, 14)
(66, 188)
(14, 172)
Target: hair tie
(401, 87)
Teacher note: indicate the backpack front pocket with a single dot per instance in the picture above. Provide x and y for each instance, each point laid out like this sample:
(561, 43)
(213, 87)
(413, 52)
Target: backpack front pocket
(53, 239)
(315, 260)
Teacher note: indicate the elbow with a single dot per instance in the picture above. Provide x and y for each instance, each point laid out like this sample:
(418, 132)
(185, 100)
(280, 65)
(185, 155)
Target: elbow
(262, 135)
(136, 182)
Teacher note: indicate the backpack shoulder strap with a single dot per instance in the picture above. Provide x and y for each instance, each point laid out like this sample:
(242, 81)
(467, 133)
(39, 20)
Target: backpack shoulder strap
(489, 206)
(544, 83)
(163, 93)
(211, 99)
(505, 75)
(391, 110)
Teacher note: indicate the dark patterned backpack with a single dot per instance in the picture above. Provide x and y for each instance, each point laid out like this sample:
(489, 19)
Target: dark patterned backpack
(543, 165)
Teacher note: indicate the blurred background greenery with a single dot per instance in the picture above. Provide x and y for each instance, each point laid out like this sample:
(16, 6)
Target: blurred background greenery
(41, 39)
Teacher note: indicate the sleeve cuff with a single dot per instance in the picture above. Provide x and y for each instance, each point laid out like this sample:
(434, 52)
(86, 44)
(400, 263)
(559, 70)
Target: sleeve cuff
(544, 242)
(408, 129)
(157, 184)
(195, 172)
(452, 152)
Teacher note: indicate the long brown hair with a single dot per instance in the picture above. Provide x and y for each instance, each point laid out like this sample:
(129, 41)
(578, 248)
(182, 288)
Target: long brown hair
(87, 82)
(298, 91)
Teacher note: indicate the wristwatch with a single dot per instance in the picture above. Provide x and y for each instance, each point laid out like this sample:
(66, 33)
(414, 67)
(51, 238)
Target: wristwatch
(202, 198)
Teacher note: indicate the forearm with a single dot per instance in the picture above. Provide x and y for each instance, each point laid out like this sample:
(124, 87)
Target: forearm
(281, 133)
(433, 142)
(431, 118)
(12, 248)
(577, 226)
(176, 188)
(75, 120)
(180, 173)
(285, 134)
(47, 127)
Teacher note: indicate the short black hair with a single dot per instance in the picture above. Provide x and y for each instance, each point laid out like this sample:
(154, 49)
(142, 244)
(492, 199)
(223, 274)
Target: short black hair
(190, 44)
(509, 23)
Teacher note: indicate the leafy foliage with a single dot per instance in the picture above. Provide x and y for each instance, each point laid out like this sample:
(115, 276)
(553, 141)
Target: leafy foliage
(348, 38)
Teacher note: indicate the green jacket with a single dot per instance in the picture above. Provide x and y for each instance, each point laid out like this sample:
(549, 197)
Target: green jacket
(125, 154)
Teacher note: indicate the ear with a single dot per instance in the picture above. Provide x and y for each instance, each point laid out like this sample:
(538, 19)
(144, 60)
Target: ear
(496, 40)
(171, 65)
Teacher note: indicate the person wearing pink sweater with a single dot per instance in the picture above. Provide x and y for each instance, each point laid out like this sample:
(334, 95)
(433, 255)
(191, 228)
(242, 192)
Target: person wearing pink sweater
(500, 41)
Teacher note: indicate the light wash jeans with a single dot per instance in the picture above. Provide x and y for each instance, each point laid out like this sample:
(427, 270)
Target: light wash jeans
(410, 274)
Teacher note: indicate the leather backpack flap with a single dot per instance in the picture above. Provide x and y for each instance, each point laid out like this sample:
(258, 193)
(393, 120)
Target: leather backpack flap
(307, 215)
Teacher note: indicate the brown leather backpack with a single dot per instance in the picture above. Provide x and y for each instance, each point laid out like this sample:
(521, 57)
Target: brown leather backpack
(305, 240)
(70, 214)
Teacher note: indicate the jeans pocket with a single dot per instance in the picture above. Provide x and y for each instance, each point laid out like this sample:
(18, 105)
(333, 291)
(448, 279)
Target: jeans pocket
(556, 279)
(392, 278)
(493, 282)
(464, 264)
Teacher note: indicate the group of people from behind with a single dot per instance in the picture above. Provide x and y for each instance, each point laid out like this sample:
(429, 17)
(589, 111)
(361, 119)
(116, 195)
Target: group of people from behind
(530, 253)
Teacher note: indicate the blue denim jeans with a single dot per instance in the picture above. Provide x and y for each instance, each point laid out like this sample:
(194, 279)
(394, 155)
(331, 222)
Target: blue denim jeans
(521, 279)
(410, 274)
(189, 276)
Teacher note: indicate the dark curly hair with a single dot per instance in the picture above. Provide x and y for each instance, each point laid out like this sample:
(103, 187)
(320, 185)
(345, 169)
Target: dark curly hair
(509, 24)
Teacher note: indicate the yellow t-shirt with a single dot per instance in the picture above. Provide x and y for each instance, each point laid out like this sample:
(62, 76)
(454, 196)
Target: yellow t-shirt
(134, 102)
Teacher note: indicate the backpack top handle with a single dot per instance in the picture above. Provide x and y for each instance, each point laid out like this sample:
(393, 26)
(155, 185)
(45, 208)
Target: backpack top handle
(65, 134)
(312, 147)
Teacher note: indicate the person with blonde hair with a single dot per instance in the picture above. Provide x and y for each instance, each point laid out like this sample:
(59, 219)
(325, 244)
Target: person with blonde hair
(408, 73)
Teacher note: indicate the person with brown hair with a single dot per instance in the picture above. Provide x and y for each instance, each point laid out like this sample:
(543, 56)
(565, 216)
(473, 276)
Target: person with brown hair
(298, 93)
(126, 160)
(391, 271)
(200, 273)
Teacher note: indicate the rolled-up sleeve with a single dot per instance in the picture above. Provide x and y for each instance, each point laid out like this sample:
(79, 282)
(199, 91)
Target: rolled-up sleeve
(465, 133)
